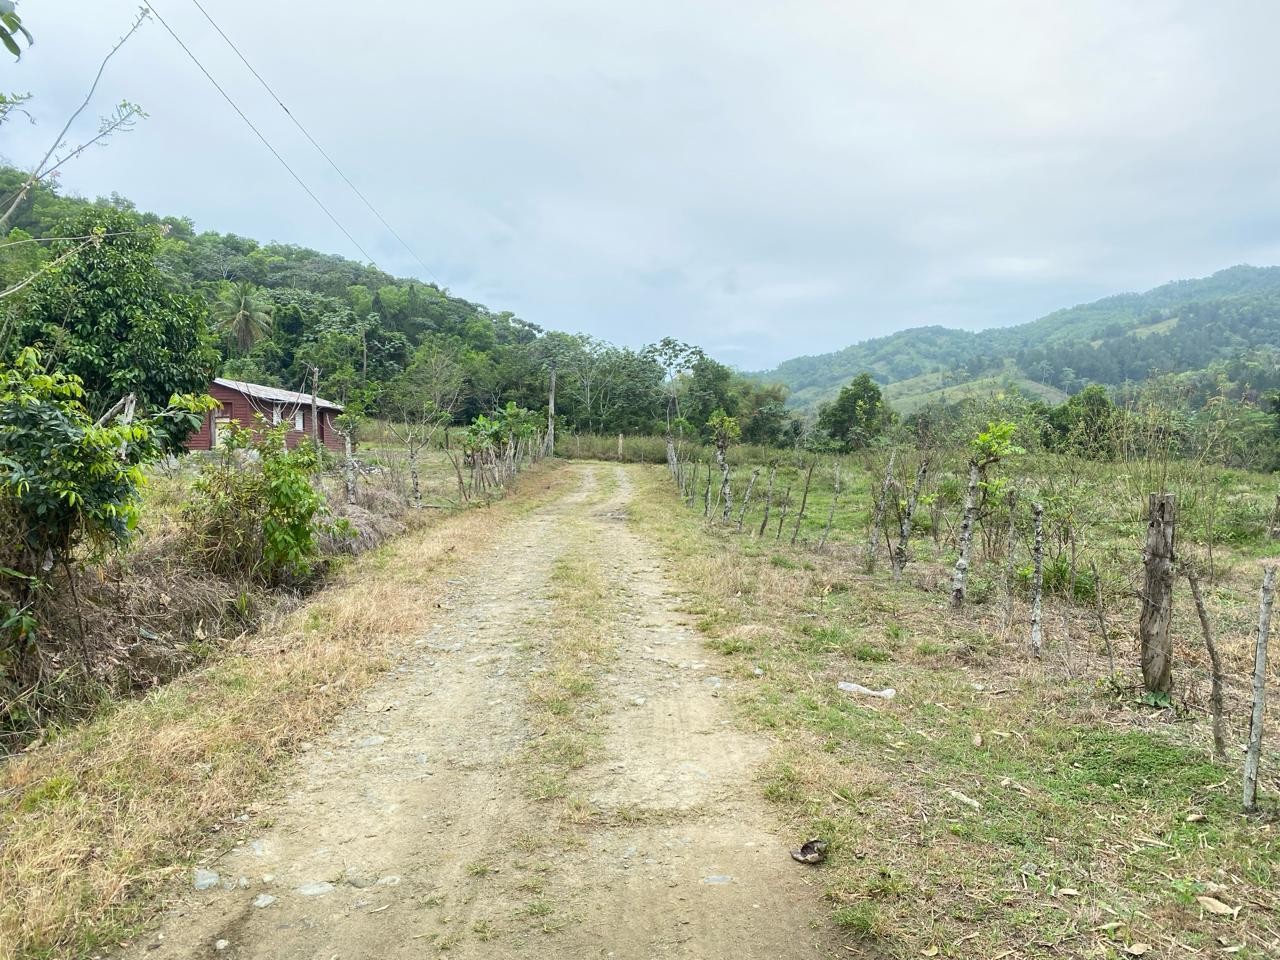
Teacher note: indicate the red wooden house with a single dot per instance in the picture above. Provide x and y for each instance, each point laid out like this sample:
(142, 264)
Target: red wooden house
(240, 402)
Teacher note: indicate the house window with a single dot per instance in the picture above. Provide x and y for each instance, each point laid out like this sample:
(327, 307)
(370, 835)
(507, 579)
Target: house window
(297, 420)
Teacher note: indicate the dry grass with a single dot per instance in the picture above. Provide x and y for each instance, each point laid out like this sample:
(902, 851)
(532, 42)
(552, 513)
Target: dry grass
(1099, 821)
(97, 820)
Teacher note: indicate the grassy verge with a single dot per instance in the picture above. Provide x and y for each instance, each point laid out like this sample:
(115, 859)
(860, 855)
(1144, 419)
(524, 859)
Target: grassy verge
(994, 807)
(564, 702)
(94, 822)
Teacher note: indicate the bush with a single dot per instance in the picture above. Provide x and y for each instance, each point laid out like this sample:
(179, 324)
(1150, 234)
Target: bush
(1057, 581)
(254, 513)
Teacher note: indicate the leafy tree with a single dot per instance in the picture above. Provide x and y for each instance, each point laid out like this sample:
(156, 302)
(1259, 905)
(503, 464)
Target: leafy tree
(66, 483)
(243, 315)
(110, 318)
(858, 415)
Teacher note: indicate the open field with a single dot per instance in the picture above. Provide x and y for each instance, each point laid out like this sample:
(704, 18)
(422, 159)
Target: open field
(997, 806)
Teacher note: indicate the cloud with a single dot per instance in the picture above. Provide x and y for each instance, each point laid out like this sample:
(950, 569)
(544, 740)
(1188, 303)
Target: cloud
(769, 179)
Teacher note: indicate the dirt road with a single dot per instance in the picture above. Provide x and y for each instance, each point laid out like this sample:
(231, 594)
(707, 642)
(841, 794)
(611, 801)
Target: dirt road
(410, 830)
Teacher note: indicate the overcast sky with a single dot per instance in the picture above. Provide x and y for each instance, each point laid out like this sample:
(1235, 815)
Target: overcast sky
(766, 179)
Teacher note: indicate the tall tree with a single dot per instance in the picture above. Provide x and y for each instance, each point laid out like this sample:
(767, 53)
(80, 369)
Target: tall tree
(110, 317)
(243, 315)
(858, 415)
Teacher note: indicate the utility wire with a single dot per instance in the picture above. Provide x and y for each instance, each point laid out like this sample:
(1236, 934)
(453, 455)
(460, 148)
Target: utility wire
(265, 142)
(298, 123)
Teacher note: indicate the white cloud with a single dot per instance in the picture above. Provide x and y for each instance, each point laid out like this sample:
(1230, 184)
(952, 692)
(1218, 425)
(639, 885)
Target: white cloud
(779, 178)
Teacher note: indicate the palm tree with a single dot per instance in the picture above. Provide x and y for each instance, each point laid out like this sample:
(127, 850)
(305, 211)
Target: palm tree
(243, 315)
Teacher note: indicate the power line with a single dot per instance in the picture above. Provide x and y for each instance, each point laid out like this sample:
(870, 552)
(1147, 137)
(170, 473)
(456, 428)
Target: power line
(298, 123)
(265, 142)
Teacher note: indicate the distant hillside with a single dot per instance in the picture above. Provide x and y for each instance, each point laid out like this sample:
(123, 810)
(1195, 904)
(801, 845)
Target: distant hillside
(1183, 325)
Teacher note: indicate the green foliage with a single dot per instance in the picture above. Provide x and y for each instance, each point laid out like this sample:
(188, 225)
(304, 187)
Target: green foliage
(65, 483)
(242, 315)
(724, 429)
(995, 443)
(11, 27)
(858, 415)
(108, 316)
(254, 512)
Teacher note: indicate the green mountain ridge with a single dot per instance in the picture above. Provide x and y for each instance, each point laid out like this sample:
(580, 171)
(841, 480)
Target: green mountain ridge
(1176, 327)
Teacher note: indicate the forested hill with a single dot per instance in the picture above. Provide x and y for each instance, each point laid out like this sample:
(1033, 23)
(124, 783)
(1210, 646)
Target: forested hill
(271, 313)
(1179, 326)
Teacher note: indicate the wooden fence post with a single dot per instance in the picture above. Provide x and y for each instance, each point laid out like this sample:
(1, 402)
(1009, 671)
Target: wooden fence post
(960, 576)
(1215, 676)
(877, 517)
(1253, 756)
(1037, 581)
(1157, 596)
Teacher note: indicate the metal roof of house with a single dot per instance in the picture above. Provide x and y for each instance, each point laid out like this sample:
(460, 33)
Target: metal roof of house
(275, 394)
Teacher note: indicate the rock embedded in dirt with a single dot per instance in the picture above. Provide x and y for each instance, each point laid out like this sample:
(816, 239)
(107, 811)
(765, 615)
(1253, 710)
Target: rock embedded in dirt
(357, 879)
(373, 740)
(317, 888)
(263, 900)
(204, 879)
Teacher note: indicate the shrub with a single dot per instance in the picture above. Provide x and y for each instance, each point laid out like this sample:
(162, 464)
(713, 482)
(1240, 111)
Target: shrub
(68, 488)
(254, 512)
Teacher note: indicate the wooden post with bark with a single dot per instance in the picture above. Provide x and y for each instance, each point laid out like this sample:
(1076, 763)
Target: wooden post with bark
(1037, 581)
(348, 467)
(786, 506)
(1154, 640)
(746, 497)
(804, 500)
(1215, 672)
(960, 576)
(908, 516)
(768, 500)
(877, 516)
(1010, 554)
(831, 514)
(549, 443)
(706, 494)
(1253, 755)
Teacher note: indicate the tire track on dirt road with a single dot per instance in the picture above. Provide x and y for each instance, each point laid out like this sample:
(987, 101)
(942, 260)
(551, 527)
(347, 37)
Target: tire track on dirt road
(408, 830)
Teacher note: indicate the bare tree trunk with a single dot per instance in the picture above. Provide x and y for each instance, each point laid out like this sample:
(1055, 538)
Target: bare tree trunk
(786, 506)
(877, 516)
(706, 495)
(1157, 596)
(746, 498)
(619, 447)
(960, 576)
(904, 528)
(315, 420)
(1275, 519)
(457, 468)
(1253, 755)
(768, 499)
(413, 477)
(673, 462)
(1215, 673)
(831, 514)
(1037, 581)
(549, 444)
(1010, 552)
(725, 497)
(349, 469)
(804, 501)
(1102, 619)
